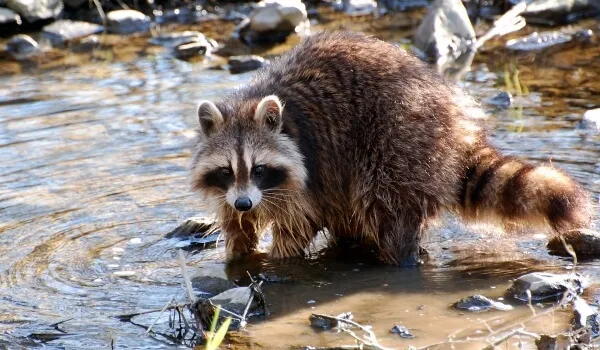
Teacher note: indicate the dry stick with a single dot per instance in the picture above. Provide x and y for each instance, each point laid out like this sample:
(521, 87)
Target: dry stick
(511, 21)
(159, 315)
(152, 311)
(520, 332)
(371, 338)
(186, 278)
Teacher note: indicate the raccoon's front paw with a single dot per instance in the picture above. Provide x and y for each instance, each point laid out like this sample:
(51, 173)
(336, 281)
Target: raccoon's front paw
(283, 251)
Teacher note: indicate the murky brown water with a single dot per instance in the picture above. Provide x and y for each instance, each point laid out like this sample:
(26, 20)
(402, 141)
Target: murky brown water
(93, 174)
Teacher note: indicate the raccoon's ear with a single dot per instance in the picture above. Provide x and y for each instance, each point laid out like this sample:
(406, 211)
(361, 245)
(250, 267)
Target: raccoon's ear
(209, 117)
(269, 113)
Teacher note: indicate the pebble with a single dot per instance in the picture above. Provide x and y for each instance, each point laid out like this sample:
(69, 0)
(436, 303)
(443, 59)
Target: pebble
(402, 331)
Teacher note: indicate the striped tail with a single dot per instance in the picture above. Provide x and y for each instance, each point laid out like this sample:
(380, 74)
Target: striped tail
(517, 194)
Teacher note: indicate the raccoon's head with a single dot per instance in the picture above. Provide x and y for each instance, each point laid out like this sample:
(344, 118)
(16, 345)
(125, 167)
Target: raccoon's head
(243, 159)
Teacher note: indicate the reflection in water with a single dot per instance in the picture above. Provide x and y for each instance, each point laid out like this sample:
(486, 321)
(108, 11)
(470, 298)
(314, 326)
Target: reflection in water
(93, 173)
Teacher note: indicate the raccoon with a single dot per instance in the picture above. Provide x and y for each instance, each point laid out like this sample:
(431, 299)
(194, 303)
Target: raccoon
(356, 136)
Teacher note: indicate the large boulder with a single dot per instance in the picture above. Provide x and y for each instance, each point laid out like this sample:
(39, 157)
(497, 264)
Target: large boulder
(272, 21)
(64, 31)
(36, 10)
(128, 22)
(445, 31)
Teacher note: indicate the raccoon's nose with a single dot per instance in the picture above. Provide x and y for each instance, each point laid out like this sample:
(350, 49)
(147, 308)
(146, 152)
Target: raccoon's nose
(243, 204)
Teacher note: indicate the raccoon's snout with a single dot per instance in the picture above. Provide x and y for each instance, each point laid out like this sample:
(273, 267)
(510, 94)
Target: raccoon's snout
(243, 204)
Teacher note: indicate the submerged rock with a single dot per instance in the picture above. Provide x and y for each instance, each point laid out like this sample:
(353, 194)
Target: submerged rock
(402, 331)
(328, 322)
(36, 10)
(8, 16)
(538, 41)
(546, 286)
(445, 31)
(211, 280)
(478, 303)
(243, 64)
(22, 47)
(128, 22)
(272, 21)
(63, 31)
(586, 244)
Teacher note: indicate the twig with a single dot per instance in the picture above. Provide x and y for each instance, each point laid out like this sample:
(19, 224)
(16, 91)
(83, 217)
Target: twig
(371, 339)
(186, 278)
(159, 315)
(520, 332)
(132, 315)
(509, 22)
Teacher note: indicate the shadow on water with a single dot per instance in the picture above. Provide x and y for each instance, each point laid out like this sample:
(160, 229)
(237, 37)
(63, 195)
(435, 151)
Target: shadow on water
(93, 174)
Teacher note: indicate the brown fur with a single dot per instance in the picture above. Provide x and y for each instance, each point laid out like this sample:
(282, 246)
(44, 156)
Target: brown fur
(384, 143)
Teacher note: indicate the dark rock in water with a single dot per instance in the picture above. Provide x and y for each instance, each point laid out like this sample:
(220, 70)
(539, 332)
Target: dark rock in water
(273, 22)
(190, 227)
(22, 47)
(586, 317)
(402, 331)
(445, 32)
(192, 49)
(75, 3)
(478, 303)
(554, 12)
(128, 22)
(171, 40)
(36, 10)
(325, 322)
(538, 41)
(586, 244)
(503, 100)
(584, 35)
(86, 44)
(8, 16)
(243, 64)
(212, 280)
(546, 286)
(590, 120)
(63, 31)
(555, 342)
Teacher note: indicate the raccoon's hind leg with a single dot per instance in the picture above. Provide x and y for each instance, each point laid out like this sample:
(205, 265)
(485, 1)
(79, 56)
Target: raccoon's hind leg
(498, 188)
(241, 237)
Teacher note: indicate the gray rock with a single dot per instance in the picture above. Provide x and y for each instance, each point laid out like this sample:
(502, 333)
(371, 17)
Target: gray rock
(190, 227)
(172, 40)
(189, 50)
(8, 16)
(402, 331)
(446, 31)
(211, 280)
(35, 10)
(553, 12)
(22, 47)
(586, 243)
(477, 303)
(538, 41)
(503, 100)
(63, 31)
(86, 44)
(546, 286)
(128, 22)
(242, 64)
(272, 21)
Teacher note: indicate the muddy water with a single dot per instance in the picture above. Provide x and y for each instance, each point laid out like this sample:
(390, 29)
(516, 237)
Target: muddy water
(93, 175)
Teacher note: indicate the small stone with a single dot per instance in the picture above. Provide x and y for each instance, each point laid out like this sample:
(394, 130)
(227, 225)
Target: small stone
(22, 47)
(243, 64)
(402, 331)
(36, 10)
(8, 16)
(189, 50)
(503, 100)
(543, 286)
(478, 303)
(128, 22)
(63, 31)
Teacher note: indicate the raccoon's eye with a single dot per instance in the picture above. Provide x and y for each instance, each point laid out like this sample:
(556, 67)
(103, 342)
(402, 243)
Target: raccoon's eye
(226, 172)
(259, 170)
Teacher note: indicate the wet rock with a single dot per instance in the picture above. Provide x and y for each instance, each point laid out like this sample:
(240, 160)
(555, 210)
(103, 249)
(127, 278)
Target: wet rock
(546, 286)
(478, 303)
(8, 16)
(22, 47)
(359, 7)
(402, 331)
(36, 10)
(243, 64)
(554, 342)
(87, 44)
(445, 31)
(63, 31)
(586, 244)
(503, 100)
(128, 22)
(190, 227)
(328, 322)
(193, 49)
(211, 280)
(171, 40)
(584, 36)
(586, 317)
(553, 12)
(591, 120)
(272, 21)
(538, 41)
